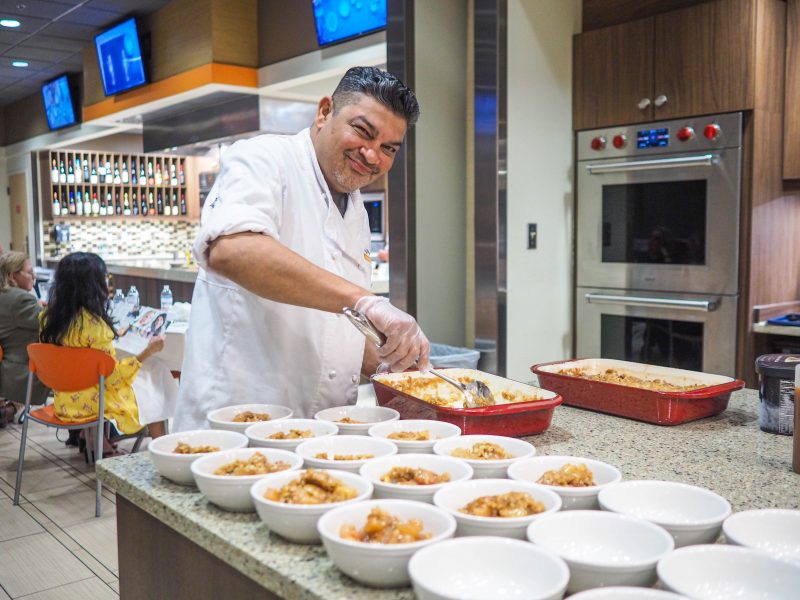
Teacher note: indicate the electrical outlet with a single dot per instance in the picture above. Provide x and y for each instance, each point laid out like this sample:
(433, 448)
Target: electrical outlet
(532, 236)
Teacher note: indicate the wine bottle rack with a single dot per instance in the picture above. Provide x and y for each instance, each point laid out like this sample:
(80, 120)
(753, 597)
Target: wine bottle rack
(85, 184)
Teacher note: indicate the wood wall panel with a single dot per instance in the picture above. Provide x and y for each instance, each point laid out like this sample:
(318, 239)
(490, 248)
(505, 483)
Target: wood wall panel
(234, 32)
(602, 13)
(180, 37)
(25, 119)
(92, 82)
(791, 123)
(285, 30)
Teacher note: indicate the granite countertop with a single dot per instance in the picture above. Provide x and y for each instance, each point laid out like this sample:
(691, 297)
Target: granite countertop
(728, 454)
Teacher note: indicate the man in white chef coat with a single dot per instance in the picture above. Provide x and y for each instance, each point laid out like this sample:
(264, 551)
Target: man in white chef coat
(283, 246)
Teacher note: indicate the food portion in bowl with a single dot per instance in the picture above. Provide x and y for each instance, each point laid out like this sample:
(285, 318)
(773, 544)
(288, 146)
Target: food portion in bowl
(257, 464)
(382, 527)
(620, 377)
(569, 475)
(508, 505)
(312, 487)
(482, 451)
(184, 448)
(248, 416)
(329, 456)
(414, 476)
(292, 434)
(349, 421)
(410, 436)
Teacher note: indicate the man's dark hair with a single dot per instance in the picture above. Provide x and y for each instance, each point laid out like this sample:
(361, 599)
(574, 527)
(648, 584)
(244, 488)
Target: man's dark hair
(380, 85)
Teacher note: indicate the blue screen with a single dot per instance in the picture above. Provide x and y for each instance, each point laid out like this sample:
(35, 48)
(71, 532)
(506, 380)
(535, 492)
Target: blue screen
(58, 104)
(339, 20)
(652, 138)
(120, 58)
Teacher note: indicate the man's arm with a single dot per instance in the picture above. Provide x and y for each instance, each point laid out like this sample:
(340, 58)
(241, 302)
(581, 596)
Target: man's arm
(269, 269)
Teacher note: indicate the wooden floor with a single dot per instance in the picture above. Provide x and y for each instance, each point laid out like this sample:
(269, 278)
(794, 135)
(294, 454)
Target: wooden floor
(51, 546)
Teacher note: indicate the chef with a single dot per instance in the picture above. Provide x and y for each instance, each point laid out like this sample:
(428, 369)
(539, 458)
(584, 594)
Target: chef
(283, 246)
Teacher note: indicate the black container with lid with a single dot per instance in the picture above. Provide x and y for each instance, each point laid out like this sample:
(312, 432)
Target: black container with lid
(776, 390)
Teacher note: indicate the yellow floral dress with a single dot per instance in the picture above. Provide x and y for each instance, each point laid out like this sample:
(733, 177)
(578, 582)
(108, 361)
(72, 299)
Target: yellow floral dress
(88, 331)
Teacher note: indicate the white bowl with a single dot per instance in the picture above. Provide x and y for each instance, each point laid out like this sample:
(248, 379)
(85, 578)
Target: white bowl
(232, 492)
(437, 430)
(626, 593)
(298, 522)
(454, 496)
(602, 548)
(367, 415)
(487, 568)
(487, 468)
(691, 514)
(259, 433)
(773, 530)
(343, 444)
(373, 470)
(175, 467)
(380, 565)
(573, 498)
(222, 418)
(719, 572)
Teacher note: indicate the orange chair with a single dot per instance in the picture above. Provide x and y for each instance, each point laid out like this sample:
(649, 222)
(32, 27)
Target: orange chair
(65, 369)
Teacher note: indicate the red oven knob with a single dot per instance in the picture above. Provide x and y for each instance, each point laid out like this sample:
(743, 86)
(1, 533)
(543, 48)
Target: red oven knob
(598, 143)
(712, 131)
(620, 140)
(685, 134)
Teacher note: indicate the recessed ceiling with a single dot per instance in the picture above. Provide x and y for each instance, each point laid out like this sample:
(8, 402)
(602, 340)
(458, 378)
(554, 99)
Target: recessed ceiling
(52, 36)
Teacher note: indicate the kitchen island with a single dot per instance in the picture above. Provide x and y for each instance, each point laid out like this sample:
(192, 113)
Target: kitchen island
(174, 544)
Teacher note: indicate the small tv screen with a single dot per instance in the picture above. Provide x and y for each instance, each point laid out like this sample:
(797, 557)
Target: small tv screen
(340, 20)
(58, 103)
(119, 56)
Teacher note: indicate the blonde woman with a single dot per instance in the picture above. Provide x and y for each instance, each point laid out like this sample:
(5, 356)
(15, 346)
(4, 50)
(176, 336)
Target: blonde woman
(19, 326)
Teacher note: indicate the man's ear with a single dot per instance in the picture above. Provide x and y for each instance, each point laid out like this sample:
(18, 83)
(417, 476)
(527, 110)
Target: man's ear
(324, 111)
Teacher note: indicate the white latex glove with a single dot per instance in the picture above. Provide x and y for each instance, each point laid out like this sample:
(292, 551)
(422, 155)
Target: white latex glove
(405, 343)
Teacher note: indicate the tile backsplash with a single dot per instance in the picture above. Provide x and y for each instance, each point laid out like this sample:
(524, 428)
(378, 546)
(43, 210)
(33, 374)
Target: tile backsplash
(112, 238)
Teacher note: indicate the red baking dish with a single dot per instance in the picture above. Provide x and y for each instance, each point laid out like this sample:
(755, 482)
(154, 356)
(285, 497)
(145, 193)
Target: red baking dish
(650, 406)
(513, 419)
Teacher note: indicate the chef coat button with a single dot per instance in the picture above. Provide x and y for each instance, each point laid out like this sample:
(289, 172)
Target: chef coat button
(354, 378)
(331, 374)
(335, 255)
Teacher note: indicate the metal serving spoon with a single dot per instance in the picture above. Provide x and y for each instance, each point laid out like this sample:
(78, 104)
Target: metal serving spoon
(476, 393)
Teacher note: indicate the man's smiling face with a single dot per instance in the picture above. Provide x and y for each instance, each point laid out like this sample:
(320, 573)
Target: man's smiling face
(357, 143)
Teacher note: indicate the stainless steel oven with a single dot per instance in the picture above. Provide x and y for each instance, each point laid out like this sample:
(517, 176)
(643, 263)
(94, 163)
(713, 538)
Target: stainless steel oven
(657, 242)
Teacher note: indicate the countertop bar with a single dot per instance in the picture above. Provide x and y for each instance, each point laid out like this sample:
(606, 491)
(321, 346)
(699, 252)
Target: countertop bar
(764, 327)
(728, 454)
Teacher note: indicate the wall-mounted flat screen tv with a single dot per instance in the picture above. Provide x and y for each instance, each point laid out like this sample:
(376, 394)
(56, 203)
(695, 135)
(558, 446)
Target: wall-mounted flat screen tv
(119, 56)
(340, 20)
(59, 103)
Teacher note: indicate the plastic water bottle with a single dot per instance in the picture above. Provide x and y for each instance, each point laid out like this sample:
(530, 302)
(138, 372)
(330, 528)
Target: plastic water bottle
(166, 298)
(133, 298)
(118, 297)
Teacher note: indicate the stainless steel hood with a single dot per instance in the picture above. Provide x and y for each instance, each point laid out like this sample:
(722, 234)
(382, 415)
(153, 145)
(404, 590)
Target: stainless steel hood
(221, 116)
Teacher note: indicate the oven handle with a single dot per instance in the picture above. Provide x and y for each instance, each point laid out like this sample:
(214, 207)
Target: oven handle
(704, 160)
(700, 305)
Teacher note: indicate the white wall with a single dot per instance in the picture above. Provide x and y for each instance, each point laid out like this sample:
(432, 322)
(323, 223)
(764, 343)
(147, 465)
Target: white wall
(540, 181)
(5, 204)
(440, 65)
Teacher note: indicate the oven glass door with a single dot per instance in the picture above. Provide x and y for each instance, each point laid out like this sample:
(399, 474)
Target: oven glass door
(667, 223)
(673, 330)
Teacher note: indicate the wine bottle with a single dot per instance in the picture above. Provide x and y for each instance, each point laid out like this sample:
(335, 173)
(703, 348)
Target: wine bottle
(56, 205)
(159, 204)
(142, 177)
(126, 205)
(173, 176)
(87, 204)
(109, 173)
(151, 208)
(159, 178)
(70, 173)
(71, 206)
(62, 172)
(117, 178)
(125, 176)
(180, 174)
(134, 180)
(143, 209)
(134, 203)
(174, 210)
(86, 170)
(64, 205)
(101, 172)
(79, 203)
(93, 176)
(54, 172)
(95, 205)
(78, 170)
(117, 204)
(183, 204)
(103, 206)
(150, 178)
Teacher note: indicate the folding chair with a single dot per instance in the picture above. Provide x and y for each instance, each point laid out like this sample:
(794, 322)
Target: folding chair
(65, 369)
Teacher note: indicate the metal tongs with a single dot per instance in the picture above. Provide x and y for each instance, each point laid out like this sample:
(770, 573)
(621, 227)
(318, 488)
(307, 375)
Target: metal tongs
(476, 393)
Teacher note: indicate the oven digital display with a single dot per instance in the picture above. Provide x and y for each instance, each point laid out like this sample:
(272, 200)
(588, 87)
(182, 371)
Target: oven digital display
(652, 138)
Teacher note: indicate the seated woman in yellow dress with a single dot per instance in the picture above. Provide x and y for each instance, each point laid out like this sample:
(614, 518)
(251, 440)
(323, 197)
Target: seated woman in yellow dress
(77, 316)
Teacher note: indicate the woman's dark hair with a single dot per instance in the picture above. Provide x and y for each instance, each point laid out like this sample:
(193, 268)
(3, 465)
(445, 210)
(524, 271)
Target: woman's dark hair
(379, 85)
(79, 283)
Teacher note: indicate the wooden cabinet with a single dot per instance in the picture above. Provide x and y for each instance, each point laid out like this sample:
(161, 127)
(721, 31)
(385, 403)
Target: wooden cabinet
(694, 61)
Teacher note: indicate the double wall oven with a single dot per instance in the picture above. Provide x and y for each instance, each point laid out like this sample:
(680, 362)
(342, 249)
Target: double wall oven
(658, 242)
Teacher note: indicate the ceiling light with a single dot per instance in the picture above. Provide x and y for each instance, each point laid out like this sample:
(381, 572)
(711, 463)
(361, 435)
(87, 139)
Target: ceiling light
(19, 63)
(9, 23)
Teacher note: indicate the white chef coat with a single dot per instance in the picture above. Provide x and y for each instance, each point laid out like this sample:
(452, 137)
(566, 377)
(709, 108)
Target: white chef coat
(241, 348)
